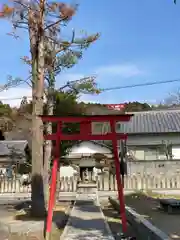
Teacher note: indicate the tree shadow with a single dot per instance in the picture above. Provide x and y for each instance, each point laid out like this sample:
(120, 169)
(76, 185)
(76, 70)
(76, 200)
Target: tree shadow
(89, 228)
(86, 206)
(26, 215)
(115, 224)
(34, 209)
(86, 225)
(38, 208)
(89, 224)
(27, 209)
(144, 203)
(95, 228)
(149, 208)
(59, 220)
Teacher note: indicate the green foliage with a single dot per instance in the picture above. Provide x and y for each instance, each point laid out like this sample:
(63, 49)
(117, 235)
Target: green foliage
(12, 82)
(5, 110)
(136, 107)
(66, 60)
(66, 104)
(84, 42)
(85, 85)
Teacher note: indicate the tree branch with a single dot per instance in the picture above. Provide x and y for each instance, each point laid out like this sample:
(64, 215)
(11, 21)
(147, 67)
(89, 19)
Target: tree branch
(55, 23)
(21, 4)
(19, 26)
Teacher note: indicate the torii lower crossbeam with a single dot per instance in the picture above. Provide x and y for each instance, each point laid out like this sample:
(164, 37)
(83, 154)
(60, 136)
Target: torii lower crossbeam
(85, 134)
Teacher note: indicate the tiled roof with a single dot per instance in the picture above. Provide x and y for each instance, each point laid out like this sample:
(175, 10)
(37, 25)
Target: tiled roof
(19, 135)
(166, 121)
(6, 147)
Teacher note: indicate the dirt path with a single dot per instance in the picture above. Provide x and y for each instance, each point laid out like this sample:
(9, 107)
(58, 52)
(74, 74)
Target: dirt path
(149, 208)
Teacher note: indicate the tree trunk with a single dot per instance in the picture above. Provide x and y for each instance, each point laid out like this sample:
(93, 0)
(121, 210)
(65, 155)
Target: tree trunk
(37, 52)
(47, 160)
(48, 130)
(38, 204)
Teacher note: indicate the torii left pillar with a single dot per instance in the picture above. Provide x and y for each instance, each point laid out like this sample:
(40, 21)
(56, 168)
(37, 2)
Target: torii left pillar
(85, 134)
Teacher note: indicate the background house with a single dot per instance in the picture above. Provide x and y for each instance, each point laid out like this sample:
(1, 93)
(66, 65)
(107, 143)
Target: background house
(151, 134)
(153, 141)
(12, 153)
(21, 130)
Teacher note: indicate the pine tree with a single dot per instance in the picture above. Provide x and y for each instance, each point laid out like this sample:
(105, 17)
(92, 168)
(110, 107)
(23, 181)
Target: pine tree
(44, 20)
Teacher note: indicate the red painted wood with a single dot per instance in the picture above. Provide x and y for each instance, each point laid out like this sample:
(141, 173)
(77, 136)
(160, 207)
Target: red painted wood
(91, 118)
(85, 128)
(53, 179)
(86, 137)
(52, 195)
(118, 178)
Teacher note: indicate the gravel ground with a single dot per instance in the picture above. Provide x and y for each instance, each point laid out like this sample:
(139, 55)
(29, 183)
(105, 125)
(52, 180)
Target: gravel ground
(17, 225)
(148, 207)
(114, 221)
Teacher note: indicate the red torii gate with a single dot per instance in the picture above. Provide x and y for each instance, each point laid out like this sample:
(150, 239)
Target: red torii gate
(85, 134)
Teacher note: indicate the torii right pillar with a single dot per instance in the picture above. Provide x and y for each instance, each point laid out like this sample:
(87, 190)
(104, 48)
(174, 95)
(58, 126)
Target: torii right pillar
(118, 176)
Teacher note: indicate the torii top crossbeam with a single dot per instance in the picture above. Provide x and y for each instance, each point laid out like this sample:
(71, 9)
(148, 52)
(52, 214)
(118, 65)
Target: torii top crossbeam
(85, 126)
(89, 118)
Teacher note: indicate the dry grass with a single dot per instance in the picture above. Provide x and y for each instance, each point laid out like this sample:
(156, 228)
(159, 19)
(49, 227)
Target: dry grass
(114, 221)
(161, 196)
(148, 207)
(38, 235)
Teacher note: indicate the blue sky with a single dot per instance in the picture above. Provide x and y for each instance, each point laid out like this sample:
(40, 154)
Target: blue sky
(140, 42)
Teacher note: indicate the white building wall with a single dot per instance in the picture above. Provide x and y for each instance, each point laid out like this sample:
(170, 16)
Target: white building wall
(87, 162)
(176, 152)
(145, 140)
(138, 140)
(145, 153)
(152, 140)
(67, 171)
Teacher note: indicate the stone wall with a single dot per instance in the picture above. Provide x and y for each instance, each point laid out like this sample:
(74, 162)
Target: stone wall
(154, 167)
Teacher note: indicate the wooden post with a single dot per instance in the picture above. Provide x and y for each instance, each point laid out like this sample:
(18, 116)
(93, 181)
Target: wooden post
(53, 183)
(109, 181)
(51, 198)
(118, 178)
(102, 182)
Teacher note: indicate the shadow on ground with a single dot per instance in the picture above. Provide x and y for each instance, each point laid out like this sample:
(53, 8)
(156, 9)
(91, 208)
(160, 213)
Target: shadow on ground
(60, 218)
(114, 221)
(149, 208)
(97, 225)
(25, 227)
(147, 204)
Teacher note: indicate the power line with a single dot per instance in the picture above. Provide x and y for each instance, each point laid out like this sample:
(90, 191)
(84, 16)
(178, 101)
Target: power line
(140, 85)
(16, 98)
(113, 88)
